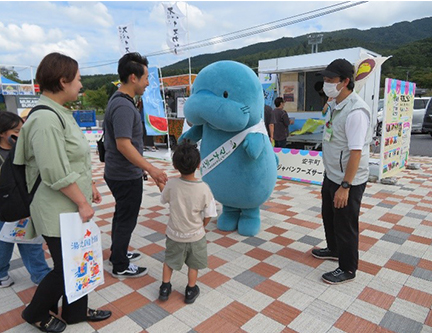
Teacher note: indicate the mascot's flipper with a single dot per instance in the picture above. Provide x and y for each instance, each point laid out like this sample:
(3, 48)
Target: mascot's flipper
(229, 218)
(194, 134)
(254, 144)
(250, 221)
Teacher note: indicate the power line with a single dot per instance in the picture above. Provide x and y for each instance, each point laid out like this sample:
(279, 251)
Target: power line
(268, 23)
(258, 29)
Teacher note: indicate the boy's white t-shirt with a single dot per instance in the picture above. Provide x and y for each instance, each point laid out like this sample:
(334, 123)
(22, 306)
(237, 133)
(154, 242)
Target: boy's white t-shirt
(190, 202)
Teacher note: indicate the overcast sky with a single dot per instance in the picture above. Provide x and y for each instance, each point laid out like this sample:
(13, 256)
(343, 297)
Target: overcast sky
(87, 30)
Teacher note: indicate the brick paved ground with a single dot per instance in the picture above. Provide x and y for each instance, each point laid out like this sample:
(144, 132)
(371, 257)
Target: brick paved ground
(269, 283)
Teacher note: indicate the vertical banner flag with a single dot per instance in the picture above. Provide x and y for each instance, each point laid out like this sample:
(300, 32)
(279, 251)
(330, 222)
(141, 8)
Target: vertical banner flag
(268, 82)
(155, 119)
(396, 126)
(175, 20)
(364, 69)
(126, 38)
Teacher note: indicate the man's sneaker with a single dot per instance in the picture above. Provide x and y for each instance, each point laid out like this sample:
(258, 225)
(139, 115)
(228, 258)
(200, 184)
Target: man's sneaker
(164, 291)
(338, 276)
(191, 294)
(324, 254)
(7, 282)
(132, 256)
(131, 272)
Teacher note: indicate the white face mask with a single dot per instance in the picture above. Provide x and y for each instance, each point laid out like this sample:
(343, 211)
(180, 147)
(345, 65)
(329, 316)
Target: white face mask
(330, 89)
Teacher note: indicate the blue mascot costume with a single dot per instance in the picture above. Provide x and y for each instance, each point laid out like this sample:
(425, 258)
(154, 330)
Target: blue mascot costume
(238, 163)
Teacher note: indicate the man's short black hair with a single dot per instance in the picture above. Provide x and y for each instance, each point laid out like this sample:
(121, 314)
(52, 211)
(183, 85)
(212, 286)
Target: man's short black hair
(131, 63)
(278, 101)
(186, 157)
(351, 84)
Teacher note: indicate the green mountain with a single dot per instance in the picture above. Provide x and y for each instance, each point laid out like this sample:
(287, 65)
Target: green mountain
(410, 44)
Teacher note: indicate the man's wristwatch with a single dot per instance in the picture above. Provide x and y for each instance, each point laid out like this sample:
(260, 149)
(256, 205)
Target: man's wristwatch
(345, 184)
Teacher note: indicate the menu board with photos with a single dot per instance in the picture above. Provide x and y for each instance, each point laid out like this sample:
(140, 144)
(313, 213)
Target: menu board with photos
(396, 126)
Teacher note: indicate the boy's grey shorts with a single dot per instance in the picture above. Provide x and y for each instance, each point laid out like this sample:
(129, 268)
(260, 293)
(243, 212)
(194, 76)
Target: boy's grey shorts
(194, 254)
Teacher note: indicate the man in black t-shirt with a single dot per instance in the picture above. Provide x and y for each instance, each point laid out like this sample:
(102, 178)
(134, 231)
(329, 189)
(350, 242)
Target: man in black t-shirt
(124, 163)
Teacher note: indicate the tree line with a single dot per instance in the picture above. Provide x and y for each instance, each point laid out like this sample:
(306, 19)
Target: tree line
(409, 44)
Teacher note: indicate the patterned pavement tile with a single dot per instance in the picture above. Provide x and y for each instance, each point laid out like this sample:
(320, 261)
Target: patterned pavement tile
(307, 323)
(270, 282)
(400, 324)
(148, 315)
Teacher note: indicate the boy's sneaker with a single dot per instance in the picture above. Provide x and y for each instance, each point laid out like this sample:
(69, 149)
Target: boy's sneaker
(164, 291)
(131, 272)
(325, 254)
(191, 294)
(7, 282)
(338, 276)
(132, 256)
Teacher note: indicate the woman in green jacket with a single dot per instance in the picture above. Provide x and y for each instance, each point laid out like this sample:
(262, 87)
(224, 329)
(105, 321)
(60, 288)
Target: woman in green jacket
(59, 152)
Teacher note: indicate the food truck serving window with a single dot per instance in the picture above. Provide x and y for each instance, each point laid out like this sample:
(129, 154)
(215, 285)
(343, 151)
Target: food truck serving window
(315, 97)
(302, 91)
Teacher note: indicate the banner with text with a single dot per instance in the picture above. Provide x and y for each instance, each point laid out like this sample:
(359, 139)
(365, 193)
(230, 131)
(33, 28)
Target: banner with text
(154, 114)
(305, 166)
(396, 126)
(126, 38)
(175, 21)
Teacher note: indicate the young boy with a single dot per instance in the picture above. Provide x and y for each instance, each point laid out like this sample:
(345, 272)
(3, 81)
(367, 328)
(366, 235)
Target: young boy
(191, 207)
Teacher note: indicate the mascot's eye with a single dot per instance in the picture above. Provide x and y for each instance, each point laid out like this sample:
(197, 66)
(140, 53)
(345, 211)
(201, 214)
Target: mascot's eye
(225, 94)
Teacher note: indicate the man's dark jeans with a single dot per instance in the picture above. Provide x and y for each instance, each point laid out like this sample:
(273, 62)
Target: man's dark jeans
(128, 196)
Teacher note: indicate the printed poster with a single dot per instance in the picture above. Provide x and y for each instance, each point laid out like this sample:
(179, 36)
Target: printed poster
(396, 126)
(268, 82)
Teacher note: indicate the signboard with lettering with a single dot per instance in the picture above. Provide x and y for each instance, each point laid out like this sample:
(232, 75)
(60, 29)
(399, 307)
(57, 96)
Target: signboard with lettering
(396, 126)
(24, 102)
(304, 166)
(93, 136)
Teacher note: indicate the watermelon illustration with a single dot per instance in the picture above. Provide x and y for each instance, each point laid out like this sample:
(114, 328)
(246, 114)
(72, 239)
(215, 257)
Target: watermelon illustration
(158, 124)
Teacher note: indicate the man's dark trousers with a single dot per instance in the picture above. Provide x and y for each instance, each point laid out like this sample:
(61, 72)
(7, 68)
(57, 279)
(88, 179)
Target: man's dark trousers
(128, 196)
(280, 143)
(341, 225)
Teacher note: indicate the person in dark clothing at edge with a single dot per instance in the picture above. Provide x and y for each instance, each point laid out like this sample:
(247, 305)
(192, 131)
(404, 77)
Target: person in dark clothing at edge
(281, 123)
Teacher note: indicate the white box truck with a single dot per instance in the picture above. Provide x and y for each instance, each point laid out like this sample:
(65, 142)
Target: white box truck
(298, 83)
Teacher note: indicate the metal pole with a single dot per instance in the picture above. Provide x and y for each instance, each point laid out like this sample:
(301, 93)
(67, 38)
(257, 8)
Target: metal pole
(32, 81)
(187, 27)
(165, 110)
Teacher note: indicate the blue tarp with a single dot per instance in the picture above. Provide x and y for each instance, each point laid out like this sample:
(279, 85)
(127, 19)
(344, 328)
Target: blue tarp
(5, 80)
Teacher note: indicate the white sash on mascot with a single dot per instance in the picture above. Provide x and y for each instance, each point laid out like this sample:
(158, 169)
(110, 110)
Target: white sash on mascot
(218, 155)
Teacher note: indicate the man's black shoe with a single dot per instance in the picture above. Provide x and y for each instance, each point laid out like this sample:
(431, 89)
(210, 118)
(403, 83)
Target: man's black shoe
(338, 276)
(133, 271)
(164, 291)
(324, 254)
(98, 315)
(191, 294)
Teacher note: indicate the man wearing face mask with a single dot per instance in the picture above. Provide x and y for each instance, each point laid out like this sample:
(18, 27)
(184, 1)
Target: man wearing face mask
(346, 139)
